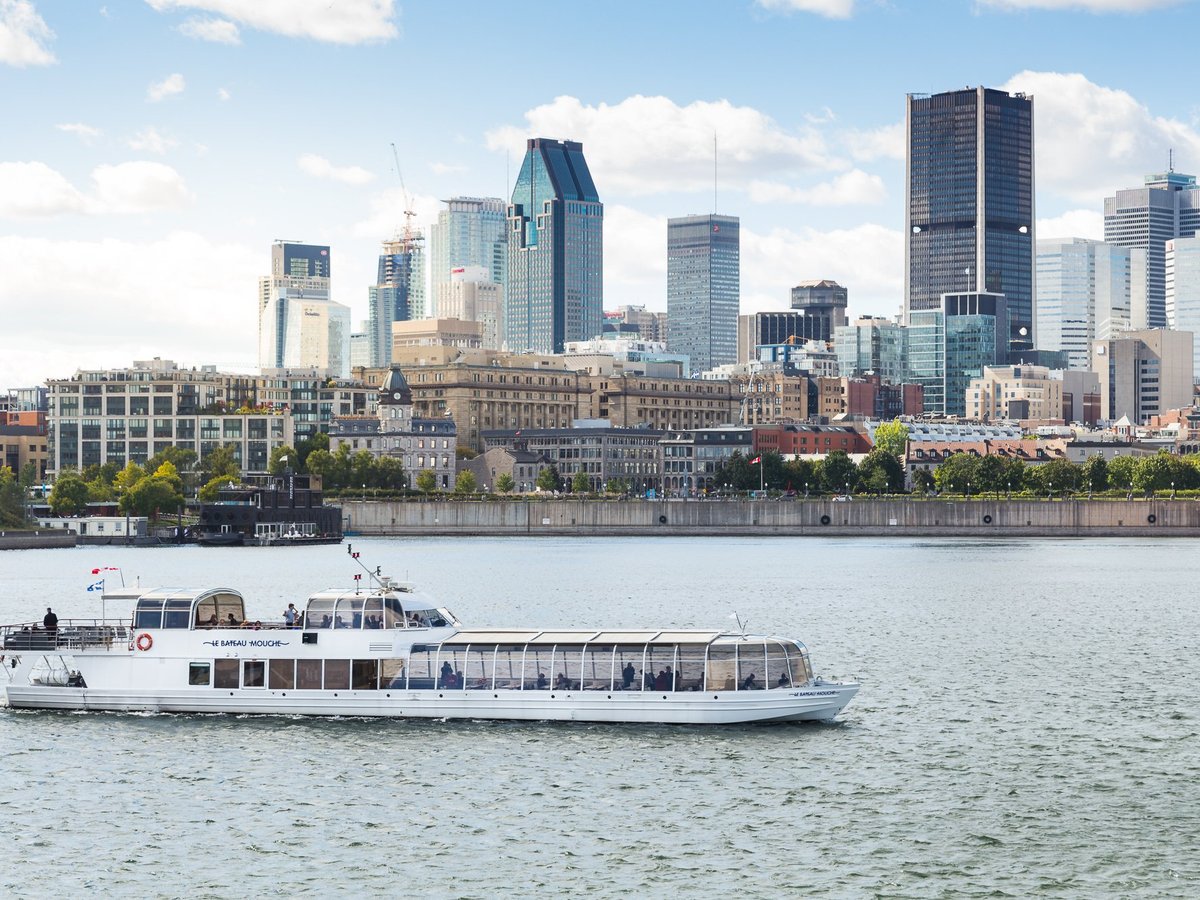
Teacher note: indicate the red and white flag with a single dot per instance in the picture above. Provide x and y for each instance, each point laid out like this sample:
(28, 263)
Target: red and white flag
(105, 569)
(756, 460)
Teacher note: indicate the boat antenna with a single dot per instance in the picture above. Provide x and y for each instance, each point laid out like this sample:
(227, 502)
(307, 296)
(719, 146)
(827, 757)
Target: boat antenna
(741, 625)
(375, 576)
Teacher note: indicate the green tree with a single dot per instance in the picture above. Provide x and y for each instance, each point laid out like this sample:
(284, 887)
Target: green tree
(152, 495)
(462, 451)
(321, 464)
(466, 483)
(1153, 473)
(838, 471)
(426, 481)
(922, 481)
(276, 465)
(1094, 473)
(891, 437)
(363, 469)
(580, 483)
(955, 474)
(389, 473)
(220, 461)
(12, 499)
(1120, 472)
(128, 477)
(209, 491)
(504, 483)
(319, 441)
(1012, 475)
(548, 479)
(800, 474)
(184, 460)
(736, 472)
(69, 496)
(880, 471)
(617, 486)
(1060, 476)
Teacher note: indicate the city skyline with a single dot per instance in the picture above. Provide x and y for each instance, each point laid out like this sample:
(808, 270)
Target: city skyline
(156, 149)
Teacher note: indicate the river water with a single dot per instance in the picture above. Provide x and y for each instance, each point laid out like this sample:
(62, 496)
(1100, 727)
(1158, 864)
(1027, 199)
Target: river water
(1028, 724)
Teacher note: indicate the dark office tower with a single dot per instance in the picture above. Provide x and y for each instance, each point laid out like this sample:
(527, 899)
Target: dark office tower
(1167, 206)
(824, 302)
(703, 289)
(555, 290)
(398, 294)
(969, 220)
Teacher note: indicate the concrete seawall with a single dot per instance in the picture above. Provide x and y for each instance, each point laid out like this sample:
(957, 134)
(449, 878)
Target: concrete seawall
(36, 540)
(1070, 518)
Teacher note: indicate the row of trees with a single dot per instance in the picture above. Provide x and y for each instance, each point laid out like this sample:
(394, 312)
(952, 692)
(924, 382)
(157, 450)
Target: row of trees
(963, 473)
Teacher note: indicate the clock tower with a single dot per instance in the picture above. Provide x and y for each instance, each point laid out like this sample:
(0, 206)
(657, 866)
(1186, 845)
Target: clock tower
(395, 402)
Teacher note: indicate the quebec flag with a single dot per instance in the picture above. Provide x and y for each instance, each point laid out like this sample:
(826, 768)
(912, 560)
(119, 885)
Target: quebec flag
(98, 586)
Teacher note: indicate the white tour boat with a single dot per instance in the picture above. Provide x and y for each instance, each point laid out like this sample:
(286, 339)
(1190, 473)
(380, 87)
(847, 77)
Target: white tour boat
(389, 651)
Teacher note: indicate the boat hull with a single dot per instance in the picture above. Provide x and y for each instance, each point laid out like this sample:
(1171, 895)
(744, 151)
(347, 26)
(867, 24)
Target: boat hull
(817, 702)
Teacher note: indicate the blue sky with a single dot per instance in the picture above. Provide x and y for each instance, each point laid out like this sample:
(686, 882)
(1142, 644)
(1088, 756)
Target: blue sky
(153, 149)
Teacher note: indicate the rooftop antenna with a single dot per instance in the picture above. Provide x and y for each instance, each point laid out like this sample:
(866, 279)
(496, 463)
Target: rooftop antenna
(714, 173)
(1170, 159)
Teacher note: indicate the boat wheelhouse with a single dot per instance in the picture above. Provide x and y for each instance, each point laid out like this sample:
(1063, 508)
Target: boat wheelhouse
(391, 651)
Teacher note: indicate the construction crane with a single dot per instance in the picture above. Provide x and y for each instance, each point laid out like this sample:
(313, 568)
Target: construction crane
(410, 235)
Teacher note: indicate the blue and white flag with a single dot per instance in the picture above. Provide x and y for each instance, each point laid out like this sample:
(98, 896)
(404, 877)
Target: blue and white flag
(98, 586)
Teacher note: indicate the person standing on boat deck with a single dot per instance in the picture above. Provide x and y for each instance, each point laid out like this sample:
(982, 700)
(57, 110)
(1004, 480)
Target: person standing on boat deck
(627, 674)
(290, 615)
(447, 674)
(50, 622)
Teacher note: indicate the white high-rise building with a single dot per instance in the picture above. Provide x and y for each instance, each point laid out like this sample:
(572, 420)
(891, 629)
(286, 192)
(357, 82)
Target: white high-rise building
(299, 274)
(471, 295)
(1183, 289)
(318, 336)
(470, 231)
(1083, 294)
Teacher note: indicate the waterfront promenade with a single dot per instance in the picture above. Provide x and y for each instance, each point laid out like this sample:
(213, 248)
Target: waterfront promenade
(974, 517)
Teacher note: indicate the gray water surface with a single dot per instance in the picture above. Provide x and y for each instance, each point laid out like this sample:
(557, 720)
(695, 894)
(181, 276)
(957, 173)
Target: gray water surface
(1027, 726)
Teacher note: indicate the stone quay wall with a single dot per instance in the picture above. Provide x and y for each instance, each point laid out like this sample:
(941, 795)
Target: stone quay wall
(974, 517)
(36, 540)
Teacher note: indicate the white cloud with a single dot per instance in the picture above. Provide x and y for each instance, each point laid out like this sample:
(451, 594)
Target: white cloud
(1092, 6)
(1091, 140)
(886, 142)
(831, 9)
(1075, 223)
(219, 31)
(440, 168)
(23, 35)
(386, 218)
(635, 256)
(320, 167)
(138, 187)
(82, 282)
(150, 141)
(31, 190)
(86, 133)
(223, 94)
(344, 22)
(172, 84)
(674, 150)
(853, 188)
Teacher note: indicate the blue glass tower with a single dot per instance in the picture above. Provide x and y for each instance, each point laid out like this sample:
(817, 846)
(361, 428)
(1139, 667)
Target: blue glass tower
(397, 296)
(703, 289)
(555, 290)
(970, 214)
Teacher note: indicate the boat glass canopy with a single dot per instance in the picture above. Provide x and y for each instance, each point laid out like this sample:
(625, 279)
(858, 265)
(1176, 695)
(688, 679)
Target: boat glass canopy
(187, 608)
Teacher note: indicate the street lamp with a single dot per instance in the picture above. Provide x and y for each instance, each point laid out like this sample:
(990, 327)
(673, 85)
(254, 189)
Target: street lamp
(1008, 493)
(364, 492)
(806, 490)
(968, 489)
(1050, 486)
(1172, 490)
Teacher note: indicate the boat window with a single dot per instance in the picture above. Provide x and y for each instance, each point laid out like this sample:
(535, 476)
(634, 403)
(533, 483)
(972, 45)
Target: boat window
(565, 668)
(308, 674)
(337, 674)
(660, 667)
(365, 674)
(690, 671)
(537, 668)
(420, 667)
(479, 666)
(450, 665)
(320, 614)
(373, 613)
(148, 613)
(751, 659)
(282, 674)
(393, 613)
(391, 673)
(778, 673)
(254, 673)
(798, 659)
(597, 667)
(440, 618)
(227, 673)
(178, 614)
(508, 666)
(722, 668)
(215, 609)
(629, 660)
(348, 613)
(198, 673)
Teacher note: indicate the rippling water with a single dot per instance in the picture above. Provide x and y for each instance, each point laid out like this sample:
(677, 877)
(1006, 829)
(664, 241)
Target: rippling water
(1027, 725)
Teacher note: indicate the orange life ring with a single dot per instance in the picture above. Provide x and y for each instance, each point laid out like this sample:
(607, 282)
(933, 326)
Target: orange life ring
(144, 641)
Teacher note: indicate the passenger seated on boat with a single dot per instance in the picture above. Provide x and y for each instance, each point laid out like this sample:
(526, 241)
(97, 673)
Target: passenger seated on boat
(663, 681)
(414, 620)
(339, 622)
(648, 680)
(327, 621)
(560, 682)
(213, 621)
(627, 675)
(750, 683)
(446, 675)
(783, 681)
(541, 681)
(231, 621)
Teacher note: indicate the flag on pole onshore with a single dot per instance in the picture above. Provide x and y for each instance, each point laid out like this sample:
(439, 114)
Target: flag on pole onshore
(756, 460)
(98, 586)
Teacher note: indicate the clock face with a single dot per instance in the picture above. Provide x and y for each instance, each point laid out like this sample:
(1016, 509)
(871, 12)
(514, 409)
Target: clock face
(396, 395)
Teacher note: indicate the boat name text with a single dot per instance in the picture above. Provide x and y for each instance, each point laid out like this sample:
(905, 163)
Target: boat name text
(236, 642)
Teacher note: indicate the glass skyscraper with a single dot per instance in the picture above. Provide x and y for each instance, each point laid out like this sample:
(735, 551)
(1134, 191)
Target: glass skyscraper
(1083, 294)
(1167, 206)
(555, 287)
(969, 217)
(397, 296)
(703, 289)
(948, 347)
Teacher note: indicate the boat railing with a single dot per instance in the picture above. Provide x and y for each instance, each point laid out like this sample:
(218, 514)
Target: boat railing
(71, 634)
